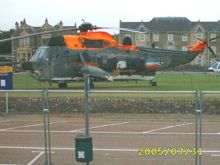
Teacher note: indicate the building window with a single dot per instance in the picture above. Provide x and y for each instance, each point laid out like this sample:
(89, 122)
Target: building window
(170, 37)
(24, 42)
(141, 37)
(213, 36)
(142, 29)
(147, 37)
(156, 37)
(199, 61)
(214, 49)
(184, 38)
(18, 57)
(199, 36)
(184, 48)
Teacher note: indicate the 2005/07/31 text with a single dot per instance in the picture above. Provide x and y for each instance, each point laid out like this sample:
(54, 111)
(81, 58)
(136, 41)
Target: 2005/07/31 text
(154, 151)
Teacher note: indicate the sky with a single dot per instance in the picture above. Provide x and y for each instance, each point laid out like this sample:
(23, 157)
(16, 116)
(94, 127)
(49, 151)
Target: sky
(105, 13)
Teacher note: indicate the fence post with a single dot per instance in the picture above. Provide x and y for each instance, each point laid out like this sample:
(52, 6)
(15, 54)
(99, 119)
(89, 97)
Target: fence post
(6, 102)
(198, 112)
(46, 113)
(200, 126)
(86, 103)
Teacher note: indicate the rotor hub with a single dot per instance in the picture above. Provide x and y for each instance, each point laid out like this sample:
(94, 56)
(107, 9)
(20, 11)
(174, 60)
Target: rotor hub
(86, 26)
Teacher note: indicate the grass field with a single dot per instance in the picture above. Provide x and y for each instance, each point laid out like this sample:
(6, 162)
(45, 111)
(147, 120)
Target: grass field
(166, 82)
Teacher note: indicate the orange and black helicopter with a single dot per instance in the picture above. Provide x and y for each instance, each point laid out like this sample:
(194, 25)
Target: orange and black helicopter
(68, 57)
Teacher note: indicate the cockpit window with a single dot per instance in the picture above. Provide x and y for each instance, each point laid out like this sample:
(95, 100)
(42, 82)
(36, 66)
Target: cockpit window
(93, 43)
(40, 53)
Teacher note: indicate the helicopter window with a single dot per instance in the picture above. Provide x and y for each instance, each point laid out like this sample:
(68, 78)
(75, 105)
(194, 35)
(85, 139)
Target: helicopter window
(36, 54)
(104, 60)
(93, 43)
(39, 54)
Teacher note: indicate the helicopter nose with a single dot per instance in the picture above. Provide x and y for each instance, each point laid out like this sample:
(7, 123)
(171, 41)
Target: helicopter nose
(27, 65)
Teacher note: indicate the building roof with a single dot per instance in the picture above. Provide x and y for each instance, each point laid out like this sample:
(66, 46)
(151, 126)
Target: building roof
(212, 26)
(170, 24)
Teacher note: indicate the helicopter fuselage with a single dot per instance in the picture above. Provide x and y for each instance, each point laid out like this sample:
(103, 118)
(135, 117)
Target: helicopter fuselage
(97, 54)
(61, 64)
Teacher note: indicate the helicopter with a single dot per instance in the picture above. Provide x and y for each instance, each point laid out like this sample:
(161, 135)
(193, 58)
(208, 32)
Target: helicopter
(68, 57)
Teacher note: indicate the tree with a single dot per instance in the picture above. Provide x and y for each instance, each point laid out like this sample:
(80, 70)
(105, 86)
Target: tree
(5, 47)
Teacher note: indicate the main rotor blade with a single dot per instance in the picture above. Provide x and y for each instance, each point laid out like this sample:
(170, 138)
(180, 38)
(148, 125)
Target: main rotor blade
(135, 31)
(151, 31)
(212, 51)
(35, 34)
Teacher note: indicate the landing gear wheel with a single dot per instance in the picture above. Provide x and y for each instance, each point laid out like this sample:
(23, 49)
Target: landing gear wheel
(154, 83)
(62, 85)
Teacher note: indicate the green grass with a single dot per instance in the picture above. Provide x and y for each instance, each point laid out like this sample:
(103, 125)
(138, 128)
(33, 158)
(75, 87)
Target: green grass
(165, 81)
(184, 81)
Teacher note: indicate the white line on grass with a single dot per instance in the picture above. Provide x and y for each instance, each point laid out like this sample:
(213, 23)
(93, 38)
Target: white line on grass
(168, 127)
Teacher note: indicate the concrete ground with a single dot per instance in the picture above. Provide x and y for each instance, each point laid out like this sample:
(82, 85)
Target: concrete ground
(118, 139)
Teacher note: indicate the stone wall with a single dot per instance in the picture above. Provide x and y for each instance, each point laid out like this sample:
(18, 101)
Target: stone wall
(109, 105)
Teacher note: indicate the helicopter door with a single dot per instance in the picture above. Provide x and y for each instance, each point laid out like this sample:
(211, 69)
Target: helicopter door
(59, 67)
(62, 66)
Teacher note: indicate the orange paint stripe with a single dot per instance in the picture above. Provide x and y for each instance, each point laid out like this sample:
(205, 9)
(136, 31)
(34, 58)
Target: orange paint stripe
(86, 64)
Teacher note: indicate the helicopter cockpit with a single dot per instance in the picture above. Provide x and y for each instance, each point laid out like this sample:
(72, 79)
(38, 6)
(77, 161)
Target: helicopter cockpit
(40, 54)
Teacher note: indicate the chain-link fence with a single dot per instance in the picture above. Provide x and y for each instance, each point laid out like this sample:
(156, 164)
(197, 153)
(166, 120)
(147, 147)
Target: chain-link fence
(127, 127)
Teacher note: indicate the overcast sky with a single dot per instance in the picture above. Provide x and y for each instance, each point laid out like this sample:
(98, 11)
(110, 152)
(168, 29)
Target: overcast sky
(105, 13)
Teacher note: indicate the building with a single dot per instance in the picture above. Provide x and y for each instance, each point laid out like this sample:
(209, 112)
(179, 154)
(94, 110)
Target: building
(174, 33)
(23, 49)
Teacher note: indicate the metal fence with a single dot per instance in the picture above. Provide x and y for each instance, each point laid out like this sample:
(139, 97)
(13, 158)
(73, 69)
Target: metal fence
(127, 127)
